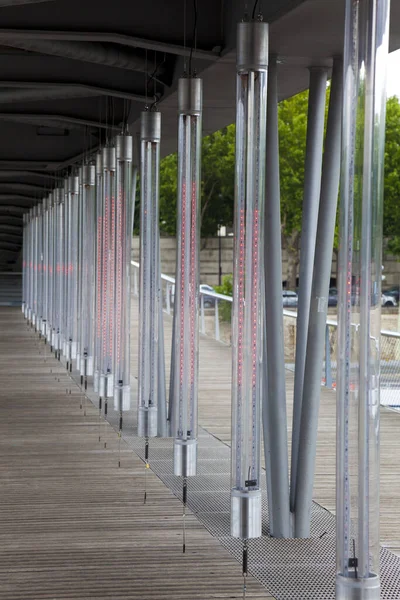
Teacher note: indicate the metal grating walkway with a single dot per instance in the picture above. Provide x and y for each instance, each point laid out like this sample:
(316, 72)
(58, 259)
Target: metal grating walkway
(289, 569)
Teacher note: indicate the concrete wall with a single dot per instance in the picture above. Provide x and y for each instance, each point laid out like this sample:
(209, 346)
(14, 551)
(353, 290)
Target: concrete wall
(209, 260)
(209, 257)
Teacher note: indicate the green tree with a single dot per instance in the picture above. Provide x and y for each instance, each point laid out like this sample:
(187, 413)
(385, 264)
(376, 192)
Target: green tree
(292, 125)
(217, 184)
(391, 201)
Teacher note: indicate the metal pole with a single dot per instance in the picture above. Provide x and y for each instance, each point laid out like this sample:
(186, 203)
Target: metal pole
(319, 307)
(150, 387)
(186, 300)
(361, 207)
(248, 277)
(312, 188)
(274, 396)
(328, 365)
(162, 422)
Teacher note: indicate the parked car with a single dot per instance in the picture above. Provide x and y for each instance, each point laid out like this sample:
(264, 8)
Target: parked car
(289, 298)
(388, 300)
(209, 301)
(332, 297)
(393, 292)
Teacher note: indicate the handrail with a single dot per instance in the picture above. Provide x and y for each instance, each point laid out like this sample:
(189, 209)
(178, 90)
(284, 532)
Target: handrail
(286, 313)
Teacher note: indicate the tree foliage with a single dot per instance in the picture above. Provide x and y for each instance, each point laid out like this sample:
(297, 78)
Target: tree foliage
(391, 199)
(218, 172)
(217, 184)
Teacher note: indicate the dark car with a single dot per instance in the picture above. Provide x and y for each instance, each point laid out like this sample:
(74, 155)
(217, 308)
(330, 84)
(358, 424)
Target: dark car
(332, 298)
(209, 301)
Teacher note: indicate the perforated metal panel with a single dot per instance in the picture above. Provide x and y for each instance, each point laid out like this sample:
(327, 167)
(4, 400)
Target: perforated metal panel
(288, 569)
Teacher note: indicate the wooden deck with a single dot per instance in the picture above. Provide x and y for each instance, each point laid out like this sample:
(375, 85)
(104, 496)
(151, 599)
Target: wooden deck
(73, 525)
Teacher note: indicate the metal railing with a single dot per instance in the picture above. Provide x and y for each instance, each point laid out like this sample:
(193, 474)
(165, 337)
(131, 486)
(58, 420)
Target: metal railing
(214, 305)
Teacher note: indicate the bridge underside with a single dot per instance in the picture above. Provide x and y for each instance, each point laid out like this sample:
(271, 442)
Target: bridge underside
(71, 73)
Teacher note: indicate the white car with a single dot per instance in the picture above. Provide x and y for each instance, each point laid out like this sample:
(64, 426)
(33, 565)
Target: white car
(289, 298)
(388, 300)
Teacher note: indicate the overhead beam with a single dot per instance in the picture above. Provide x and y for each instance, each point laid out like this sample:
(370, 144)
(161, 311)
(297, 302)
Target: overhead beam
(40, 118)
(16, 226)
(9, 208)
(30, 174)
(112, 38)
(17, 198)
(56, 90)
(24, 187)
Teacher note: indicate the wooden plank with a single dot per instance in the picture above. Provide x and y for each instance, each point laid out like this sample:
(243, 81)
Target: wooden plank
(215, 415)
(73, 525)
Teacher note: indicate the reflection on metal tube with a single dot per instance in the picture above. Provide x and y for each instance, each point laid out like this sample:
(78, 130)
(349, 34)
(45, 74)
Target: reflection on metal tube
(366, 48)
(252, 65)
(185, 377)
(150, 285)
(123, 237)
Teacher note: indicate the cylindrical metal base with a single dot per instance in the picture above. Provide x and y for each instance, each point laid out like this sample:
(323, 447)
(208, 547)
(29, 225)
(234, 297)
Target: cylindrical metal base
(109, 385)
(54, 339)
(43, 328)
(246, 511)
(252, 46)
(86, 366)
(23, 307)
(96, 380)
(122, 395)
(150, 126)
(102, 385)
(124, 147)
(147, 422)
(185, 458)
(349, 588)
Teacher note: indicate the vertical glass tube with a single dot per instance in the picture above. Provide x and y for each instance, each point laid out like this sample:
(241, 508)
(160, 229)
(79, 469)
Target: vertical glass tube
(150, 285)
(31, 263)
(24, 262)
(45, 265)
(53, 267)
(251, 113)
(365, 58)
(99, 270)
(61, 283)
(87, 268)
(106, 387)
(79, 272)
(185, 378)
(65, 268)
(123, 236)
(74, 263)
(35, 265)
(49, 267)
(39, 254)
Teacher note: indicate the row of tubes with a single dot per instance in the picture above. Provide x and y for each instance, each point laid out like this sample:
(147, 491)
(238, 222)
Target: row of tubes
(76, 282)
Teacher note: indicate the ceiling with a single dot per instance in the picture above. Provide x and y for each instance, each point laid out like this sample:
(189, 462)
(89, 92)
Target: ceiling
(72, 72)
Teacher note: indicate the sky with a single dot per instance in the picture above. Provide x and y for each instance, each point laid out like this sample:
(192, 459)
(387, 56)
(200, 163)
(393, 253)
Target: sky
(393, 79)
